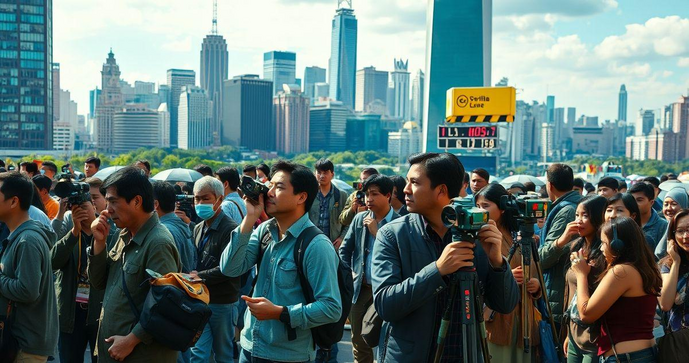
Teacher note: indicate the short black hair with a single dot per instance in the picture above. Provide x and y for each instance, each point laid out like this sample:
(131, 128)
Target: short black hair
(441, 168)
(50, 165)
(493, 193)
(519, 186)
(93, 160)
(645, 188)
(231, 176)
(467, 178)
(578, 182)
(301, 178)
(42, 182)
(325, 165)
(129, 182)
(663, 178)
(561, 177)
(623, 184)
(165, 194)
(652, 180)
(14, 184)
(609, 182)
(400, 183)
(249, 168)
(383, 182)
(589, 187)
(530, 186)
(204, 169)
(30, 166)
(629, 203)
(262, 167)
(370, 171)
(483, 173)
(145, 163)
(671, 176)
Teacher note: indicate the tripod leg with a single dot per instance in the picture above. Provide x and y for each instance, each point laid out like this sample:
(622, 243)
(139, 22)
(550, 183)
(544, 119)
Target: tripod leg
(526, 299)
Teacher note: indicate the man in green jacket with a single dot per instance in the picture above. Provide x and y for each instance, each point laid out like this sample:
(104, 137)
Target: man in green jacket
(143, 244)
(26, 281)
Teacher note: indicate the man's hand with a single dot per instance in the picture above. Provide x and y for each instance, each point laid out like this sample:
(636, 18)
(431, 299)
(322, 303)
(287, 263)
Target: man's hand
(491, 240)
(533, 286)
(182, 215)
(90, 216)
(337, 243)
(356, 207)
(262, 308)
(518, 274)
(79, 218)
(253, 213)
(100, 228)
(456, 255)
(122, 346)
(372, 225)
(64, 203)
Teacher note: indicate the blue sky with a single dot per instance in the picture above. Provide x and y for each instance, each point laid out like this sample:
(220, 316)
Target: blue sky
(578, 50)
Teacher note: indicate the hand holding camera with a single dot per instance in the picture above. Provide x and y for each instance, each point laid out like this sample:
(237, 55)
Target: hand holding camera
(455, 256)
(491, 240)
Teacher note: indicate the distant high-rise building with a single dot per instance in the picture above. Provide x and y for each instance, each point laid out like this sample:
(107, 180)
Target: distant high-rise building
(321, 91)
(550, 109)
(291, 110)
(328, 129)
(110, 102)
(622, 104)
(417, 96)
(56, 92)
(164, 94)
(571, 116)
(400, 84)
(194, 118)
(371, 85)
(343, 51)
(214, 67)
(164, 125)
(144, 88)
(26, 81)
(405, 142)
(312, 75)
(645, 122)
(176, 79)
(280, 68)
(135, 126)
(248, 113)
(446, 67)
(65, 128)
(94, 96)
(680, 126)
(364, 133)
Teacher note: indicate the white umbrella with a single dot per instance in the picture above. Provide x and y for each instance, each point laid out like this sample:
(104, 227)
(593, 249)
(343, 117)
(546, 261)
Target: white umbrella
(343, 186)
(672, 184)
(522, 178)
(178, 175)
(106, 172)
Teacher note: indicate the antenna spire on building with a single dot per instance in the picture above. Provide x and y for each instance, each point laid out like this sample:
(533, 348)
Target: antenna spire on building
(214, 30)
(347, 2)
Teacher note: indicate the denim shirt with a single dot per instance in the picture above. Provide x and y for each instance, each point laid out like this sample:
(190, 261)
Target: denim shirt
(278, 282)
(655, 229)
(182, 235)
(369, 246)
(230, 208)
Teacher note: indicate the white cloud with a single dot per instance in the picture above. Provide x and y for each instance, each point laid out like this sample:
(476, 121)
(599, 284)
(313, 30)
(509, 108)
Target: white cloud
(658, 37)
(683, 62)
(634, 69)
(178, 45)
(572, 8)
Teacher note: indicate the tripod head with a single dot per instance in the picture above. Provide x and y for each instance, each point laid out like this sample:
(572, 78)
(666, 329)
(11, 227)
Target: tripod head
(463, 218)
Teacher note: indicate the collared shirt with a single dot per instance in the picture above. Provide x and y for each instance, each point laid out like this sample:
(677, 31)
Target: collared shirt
(182, 235)
(324, 211)
(277, 281)
(369, 245)
(237, 211)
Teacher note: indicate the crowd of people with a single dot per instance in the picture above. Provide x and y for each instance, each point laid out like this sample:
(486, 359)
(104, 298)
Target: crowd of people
(614, 259)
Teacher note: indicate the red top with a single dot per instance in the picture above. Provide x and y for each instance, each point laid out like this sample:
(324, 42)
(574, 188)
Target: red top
(629, 318)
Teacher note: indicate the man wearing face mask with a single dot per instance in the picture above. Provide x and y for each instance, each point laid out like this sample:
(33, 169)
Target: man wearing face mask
(210, 238)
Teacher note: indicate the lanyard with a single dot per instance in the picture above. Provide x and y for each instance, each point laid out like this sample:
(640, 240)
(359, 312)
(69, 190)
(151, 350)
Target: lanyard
(204, 240)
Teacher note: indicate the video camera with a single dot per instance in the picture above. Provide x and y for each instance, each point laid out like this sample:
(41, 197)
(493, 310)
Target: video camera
(186, 203)
(253, 188)
(76, 192)
(525, 207)
(463, 215)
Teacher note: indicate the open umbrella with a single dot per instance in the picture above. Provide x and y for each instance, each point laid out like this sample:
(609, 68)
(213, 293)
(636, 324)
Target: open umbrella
(672, 184)
(106, 172)
(521, 178)
(343, 186)
(178, 175)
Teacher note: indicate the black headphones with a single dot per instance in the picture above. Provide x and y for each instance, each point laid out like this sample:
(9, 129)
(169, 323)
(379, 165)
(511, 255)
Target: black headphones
(616, 244)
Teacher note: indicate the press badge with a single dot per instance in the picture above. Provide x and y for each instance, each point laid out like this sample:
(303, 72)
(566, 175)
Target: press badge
(83, 293)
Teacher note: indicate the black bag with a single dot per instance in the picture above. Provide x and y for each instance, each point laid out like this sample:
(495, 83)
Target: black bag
(9, 347)
(371, 327)
(674, 346)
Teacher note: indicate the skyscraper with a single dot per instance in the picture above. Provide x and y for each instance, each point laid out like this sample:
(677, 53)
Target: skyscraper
(343, 49)
(571, 116)
(622, 104)
(176, 79)
(110, 102)
(446, 67)
(248, 113)
(550, 109)
(312, 75)
(328, 129)
(291, 110)
(280, 68)
(371, 85)
(400, 84)
(194, 118)
(417, 85)
(321, 90)
(135, 126)
(56, 91)
(364, 133)
(214, 66)
(26, 86)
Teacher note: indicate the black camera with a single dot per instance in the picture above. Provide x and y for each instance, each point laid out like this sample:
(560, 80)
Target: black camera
(253, 188)
(463, 215)
(525, 207)
(357, 185)
(186, 204)
(76, 192)
(65, 169)
(360, 195)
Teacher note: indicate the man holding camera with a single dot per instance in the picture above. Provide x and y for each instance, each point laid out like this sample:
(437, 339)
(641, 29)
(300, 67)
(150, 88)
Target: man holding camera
(356, 251)
(355, 205)
(413, 260)
(278, 303)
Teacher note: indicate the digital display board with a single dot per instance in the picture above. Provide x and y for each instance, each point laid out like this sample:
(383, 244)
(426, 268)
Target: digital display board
(468, 137)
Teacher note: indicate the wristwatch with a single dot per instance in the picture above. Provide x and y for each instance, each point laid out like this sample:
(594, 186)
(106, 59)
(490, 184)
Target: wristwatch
(284, 316)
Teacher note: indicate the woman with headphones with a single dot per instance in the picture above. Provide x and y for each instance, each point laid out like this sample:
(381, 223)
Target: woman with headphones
(626, 297)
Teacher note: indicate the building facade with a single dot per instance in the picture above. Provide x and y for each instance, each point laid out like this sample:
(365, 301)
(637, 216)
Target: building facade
(135, 126)
(176, 79)
(312, 75)
(343, 53)
(405, 142)
(194, 125)
(328, 126)
(291, 113)
(364, 133)
(371, 86)
(622, 104)
(280, 68)
(248, 113)
(214, 68)
(110, 102)
(399, 79)
(416, 107)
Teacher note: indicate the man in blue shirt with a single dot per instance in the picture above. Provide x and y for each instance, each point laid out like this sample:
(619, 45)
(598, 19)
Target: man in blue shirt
(233, 205)
(278, 301)
(356, 251)
(164, 202)
(654, 227)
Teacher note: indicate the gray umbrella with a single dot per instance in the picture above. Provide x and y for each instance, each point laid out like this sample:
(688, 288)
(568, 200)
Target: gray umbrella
(178, 175)
(106, 172)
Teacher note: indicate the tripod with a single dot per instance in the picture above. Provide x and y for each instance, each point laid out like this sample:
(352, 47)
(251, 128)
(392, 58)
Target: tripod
(529, 251)
(473, 327)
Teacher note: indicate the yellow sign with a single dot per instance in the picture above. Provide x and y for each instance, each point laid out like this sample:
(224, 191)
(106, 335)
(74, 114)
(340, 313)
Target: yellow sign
(481, 104)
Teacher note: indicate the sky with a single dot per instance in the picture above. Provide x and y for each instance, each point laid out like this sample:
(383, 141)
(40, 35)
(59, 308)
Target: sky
(581, 51)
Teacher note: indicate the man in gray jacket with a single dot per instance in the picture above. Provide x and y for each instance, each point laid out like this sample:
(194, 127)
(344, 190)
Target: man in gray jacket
(413, 258)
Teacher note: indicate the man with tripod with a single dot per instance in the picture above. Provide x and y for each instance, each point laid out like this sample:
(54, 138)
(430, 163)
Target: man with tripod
(414, 258)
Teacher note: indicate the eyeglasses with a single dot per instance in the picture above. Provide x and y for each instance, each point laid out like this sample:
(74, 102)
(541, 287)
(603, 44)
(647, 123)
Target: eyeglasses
(681, 232)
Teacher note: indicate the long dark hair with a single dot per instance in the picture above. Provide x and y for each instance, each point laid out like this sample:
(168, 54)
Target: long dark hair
(667, 260)
(594, 205)
(635, 252)
(629, 203)
(493, 193)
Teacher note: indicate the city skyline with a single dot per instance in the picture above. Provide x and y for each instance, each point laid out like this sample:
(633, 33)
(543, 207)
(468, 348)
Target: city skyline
(559, 54)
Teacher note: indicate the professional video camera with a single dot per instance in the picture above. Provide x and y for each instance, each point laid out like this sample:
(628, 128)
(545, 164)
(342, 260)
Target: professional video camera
(463, 215)
(67, 187)
(525, 207)
(253, 188)
(186, 203)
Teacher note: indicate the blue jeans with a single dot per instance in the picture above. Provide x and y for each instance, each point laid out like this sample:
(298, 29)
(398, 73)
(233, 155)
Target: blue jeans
(320, 355)
(647, 355)
(218, 335)
(576, 355)
(245, 357)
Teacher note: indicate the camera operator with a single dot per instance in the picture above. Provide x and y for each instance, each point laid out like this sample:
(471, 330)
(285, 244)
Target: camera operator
(356, 252)
(414, 256)
(354, 205)
(91, 166)
(63, 223)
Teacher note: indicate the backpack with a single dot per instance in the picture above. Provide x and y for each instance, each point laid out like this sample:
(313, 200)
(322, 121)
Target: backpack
(326, 335)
